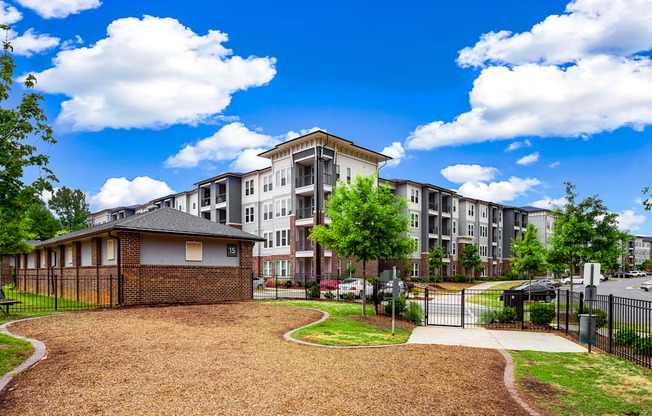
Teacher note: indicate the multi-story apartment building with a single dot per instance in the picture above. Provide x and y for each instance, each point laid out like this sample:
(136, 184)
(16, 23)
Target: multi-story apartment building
(183, 201)
(639, 249)
(544, 220)
(111, 214)
(515, 222)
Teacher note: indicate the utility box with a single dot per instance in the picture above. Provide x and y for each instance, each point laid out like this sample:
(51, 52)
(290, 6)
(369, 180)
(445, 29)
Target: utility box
(587, 328)
(514, 299)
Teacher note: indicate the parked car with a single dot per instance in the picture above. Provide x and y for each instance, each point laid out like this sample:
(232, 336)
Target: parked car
(622, 275)
(258, 282)
(639, 273)
(646, 285)
(389, 287)
(355, 286)
(552, 283)
(537, 290)
(577, 280)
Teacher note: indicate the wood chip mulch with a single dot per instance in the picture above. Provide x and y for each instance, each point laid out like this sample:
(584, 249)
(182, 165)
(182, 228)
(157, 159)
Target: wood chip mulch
(232, 359)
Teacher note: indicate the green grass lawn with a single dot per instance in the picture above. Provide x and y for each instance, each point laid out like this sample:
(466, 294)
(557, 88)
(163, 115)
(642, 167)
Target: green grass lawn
(13, 352)
(338, 329)
(584, 384)
(30, 301)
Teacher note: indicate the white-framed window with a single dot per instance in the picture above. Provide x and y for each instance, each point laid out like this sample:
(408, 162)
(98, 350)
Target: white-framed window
(43, 254)
(337, 172)
(267, 268)
(282, 238)
(249, 187)
(483, 251)
(454, 206)
(283, 177)
(415, 269)
(282, 207)
(471, 210)
(484, 212)
(269, 240)
(110, 249)
(348, 265)
(339, 268)
(470, 234)
(267, 211)
(283, 267)
(193, 251)
(483, 231)
(484, 272)
(415, 242)
(414, 220)
(267, 183)
(454, 248)
(249, 214)
(414, 195)
(348, 175)
(69, 255)
(500, 217)
(454, 227)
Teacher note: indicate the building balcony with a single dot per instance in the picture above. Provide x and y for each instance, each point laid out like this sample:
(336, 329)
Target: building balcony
(303, 213)
(433, 230)
(517, 223)
(433, 206)
(304, 245)
(221, 198)
(446, 209)
(206, 201)
(446, 231)
(305, 180)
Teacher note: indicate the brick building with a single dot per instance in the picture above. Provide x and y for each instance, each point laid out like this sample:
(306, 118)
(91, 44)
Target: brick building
(163, 256)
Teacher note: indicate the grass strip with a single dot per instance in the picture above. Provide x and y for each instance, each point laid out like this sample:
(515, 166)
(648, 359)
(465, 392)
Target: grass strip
(13, 351)
(584, 384)
(340, 330)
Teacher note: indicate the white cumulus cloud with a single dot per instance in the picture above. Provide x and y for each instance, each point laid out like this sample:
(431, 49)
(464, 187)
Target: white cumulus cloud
(59, 8)
(549, 203)
(121, 191)
(518, 145)
(30, 42)
(396, 152)
(554, 164)
(249, 160)
(529, 159)
(150, 73)
(628, 220)
(9, 14)
(468, 173)
(498, 191)
(572, 75)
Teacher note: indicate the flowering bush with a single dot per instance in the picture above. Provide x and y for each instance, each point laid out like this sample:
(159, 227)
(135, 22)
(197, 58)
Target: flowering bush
(329, 284)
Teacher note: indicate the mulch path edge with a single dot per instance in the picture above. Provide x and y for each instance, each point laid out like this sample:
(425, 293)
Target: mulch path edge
(510, 379)
(37, 355)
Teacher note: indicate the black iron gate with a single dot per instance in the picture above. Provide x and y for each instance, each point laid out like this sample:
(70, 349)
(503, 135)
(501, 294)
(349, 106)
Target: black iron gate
(444, 307)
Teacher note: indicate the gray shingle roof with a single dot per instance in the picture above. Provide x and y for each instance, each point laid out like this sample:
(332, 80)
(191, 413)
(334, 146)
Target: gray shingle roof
(163, 220)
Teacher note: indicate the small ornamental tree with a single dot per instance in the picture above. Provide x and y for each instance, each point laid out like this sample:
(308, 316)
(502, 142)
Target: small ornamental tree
(368, 223)
(470, 258)
(21, 129)
(529, 254)
(435, 256)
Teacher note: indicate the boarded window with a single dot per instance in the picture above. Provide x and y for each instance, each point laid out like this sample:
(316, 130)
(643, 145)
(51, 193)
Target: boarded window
(69, 255)
(110, 250)
(193, 251)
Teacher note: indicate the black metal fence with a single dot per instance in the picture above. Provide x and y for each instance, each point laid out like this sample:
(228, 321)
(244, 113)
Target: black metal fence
(62, 292)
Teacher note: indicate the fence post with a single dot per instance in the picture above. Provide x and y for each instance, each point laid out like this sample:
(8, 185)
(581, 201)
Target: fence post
(611, 322)
(558, 307)
(55, 291)
(276, 285)
(111, 290)
(567, 300)
(523, 309)
(98, 288)
(462, 304)
(425, 307)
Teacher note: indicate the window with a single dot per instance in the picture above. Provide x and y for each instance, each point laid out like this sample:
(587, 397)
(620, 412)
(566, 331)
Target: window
(43, 253)
(470, 234)
(454, 248)
(483, 231)
(283, 207)
(483, 251)
(283, 268)
(337, 172)
(193, 251)
(454, 206)
(414, 221)
(69, 255)
(415, 242)
(339, 268)
(267, 211)
(454, 269)
(415, 269)
(348, 266)
(484, 212)
(194, 205)
(267, 183)
(249, 187)
(471, 210)
(348, 174)
(414, 196)
(454, 227)
(500, 216)
(267, 268)
(282, 238)
(110, 250)
(283, 176)
(269, 239)
(249, 214)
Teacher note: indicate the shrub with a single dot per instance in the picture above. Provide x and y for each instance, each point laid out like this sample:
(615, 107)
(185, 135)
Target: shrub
(601, 319)
(269, 282)
(381, 295)
(644, 346)
(400, 305)
(459, 278)
(288, 283)
(329, 284)
(300, 284)
(312, 290)
(414, 313)
(348, 296)
(329, 295)
(509, 275)
(542, 313)
(488, 317)
(369, 298)
(507, 315)
(626, 337)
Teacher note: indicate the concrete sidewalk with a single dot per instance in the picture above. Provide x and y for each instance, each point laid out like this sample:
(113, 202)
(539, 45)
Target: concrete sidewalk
(483, 338)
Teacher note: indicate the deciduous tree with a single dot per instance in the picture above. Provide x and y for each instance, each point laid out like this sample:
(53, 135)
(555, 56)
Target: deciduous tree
(71, 208)
(529, 254)
(470, 258)
(435, 256)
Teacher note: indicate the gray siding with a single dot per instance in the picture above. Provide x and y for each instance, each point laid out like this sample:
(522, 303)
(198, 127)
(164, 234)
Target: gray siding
(171, 251)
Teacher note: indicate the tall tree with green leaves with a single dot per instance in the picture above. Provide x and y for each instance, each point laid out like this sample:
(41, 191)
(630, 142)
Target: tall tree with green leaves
(43, 225)
(585, 231)
(470, 258)
(71, 208)
(21, 129)
(435, 259)
(529, 254)
(368, 223)
(555, 261)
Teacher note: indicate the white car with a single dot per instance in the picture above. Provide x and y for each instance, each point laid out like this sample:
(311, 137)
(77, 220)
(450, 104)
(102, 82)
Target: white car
(355, 286)
(646, 285)
(577, 280)
(638, 273)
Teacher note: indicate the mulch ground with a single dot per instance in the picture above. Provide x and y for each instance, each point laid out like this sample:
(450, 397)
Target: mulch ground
(232, 359)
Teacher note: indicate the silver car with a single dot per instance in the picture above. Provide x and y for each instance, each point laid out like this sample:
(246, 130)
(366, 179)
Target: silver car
(258, 282)
(355, 286)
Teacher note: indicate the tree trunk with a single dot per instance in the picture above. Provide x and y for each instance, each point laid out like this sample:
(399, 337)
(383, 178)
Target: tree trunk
(364, 288)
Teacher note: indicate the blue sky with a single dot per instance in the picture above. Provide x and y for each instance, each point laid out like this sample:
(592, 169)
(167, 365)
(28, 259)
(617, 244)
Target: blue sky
(160, 98)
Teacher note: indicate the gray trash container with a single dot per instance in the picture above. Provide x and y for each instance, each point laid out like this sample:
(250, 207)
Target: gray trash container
(587, 328)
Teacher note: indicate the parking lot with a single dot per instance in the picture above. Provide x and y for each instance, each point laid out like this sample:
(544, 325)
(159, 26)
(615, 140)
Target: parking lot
(621, 287)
